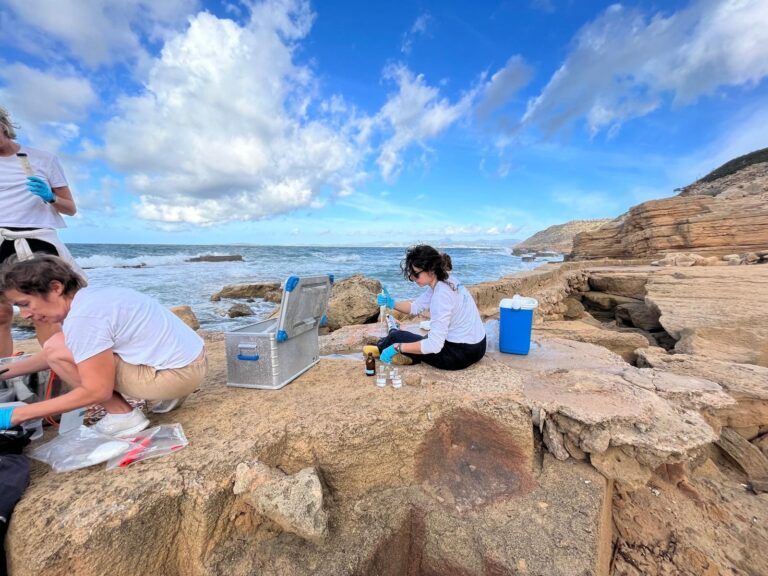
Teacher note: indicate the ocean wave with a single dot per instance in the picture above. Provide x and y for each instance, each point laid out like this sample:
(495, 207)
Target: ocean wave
(338, 258)
(140, 261)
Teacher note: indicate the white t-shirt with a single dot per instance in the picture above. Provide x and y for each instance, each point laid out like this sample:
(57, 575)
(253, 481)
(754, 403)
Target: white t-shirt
(18, 206)
(453, 316)
(136, 327)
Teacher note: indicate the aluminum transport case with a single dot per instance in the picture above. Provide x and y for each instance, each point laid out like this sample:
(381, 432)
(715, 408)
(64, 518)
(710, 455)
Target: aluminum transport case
(269, 354)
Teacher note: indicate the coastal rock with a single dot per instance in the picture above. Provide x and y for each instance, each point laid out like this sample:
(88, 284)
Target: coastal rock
(614, 464)
(211, 258)
(557, 239)
(19, 322)
(680, 259)
(187, 316)
(239, 310)
(353, 301)
(292, 501)
(623, 343)
(725, 212)
(605, 301)
(627, 283)
(638, 315)
(242, 291)
(573, 308)
(745, 383)
(714, 312)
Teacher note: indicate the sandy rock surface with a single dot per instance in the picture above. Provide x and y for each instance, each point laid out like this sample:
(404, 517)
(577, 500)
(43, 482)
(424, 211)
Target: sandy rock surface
(717, 313)
(449, 453)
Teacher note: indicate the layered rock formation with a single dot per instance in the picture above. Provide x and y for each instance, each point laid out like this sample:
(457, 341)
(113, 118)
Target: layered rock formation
(558, 238)
(724, 213)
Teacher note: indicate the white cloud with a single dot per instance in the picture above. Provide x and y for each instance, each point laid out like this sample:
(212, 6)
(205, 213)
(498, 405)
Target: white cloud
(47, 106)
(97, 31)
(413, 115)
(222, 131)
(623, 64)
(503, 85)
(419, 28)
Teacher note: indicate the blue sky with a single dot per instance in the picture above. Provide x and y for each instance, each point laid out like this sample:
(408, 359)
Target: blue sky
(341, 122)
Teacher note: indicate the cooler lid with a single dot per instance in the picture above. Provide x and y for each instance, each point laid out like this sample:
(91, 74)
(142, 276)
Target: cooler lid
(303, 306)
(518, 302)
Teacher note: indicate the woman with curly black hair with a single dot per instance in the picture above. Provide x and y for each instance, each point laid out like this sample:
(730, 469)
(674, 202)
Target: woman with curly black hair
(456, 337)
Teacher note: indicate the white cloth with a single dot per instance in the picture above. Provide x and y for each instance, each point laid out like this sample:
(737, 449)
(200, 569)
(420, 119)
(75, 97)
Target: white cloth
(23, 252)
(453, 316)
(136, 327)
(18, 206)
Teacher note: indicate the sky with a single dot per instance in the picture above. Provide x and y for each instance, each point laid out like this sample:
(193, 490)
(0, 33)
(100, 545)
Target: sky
(341, 122)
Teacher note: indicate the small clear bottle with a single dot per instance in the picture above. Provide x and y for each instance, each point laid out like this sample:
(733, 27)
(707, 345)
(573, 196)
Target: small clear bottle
(397, 379)
(381, 376)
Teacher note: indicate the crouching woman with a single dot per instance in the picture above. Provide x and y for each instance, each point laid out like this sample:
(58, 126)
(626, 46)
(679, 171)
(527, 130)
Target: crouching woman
(114, 341)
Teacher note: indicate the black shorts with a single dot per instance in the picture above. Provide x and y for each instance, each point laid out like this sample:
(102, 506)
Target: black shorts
(7, 248)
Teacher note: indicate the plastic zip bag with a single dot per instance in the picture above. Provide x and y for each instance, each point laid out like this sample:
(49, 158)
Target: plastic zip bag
(492, 336)
(151, 443)
(79, 448)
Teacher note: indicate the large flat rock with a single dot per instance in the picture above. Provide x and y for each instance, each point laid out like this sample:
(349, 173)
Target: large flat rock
(717, 313)
(449, 449)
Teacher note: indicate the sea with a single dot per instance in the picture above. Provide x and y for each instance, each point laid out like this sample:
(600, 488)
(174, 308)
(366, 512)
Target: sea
(165, 272)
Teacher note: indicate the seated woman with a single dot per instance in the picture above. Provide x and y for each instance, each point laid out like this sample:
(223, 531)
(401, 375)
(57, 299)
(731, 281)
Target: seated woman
(114, 341)
(456, 337)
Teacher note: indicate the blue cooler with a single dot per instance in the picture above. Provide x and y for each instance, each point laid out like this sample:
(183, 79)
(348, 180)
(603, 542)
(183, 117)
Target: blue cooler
(515, 321)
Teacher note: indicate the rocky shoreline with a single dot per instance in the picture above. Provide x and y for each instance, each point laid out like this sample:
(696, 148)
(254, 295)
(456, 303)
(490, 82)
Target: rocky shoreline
(598, 424)
(631, 441)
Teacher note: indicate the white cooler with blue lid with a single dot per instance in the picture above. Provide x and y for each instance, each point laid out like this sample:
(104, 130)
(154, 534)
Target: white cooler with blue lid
(270, 354)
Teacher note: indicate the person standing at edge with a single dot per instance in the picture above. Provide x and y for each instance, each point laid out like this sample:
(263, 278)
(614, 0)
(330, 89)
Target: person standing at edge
(456, 337)
(30, 212)
(114, 341)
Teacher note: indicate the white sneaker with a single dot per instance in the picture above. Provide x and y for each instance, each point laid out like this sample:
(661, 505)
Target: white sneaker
(163, 406)
(392, 324)
(122, 425)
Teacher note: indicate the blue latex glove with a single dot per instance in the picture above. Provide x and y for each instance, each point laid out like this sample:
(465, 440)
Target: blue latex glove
(5, 417)
(385, 299)
(387, 354)
(40, 187)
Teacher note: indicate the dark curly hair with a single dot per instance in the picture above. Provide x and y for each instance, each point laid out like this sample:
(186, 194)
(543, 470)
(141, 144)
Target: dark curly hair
(34, 276)
(426, 258)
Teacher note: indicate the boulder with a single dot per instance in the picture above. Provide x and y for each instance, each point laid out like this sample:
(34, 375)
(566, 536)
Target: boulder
(353, 301)
(292, 501)
(238, 310)
(680, 259)
(573, 308)
(19, 322)
(187, 316)
(639, 316)
(257, 290)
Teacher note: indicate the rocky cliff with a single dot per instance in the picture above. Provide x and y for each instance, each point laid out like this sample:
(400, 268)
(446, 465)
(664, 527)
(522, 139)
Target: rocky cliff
(558, 238)
(725, 212)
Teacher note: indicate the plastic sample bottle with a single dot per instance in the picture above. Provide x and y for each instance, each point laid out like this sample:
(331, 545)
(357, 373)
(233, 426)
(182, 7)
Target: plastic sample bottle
(370, 365)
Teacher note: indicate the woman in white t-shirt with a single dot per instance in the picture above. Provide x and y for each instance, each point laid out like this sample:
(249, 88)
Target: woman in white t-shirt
(114, 341)
(456, 337)
(33, 195)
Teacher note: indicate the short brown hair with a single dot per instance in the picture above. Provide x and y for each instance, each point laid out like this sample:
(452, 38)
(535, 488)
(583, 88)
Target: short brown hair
(34, 276)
